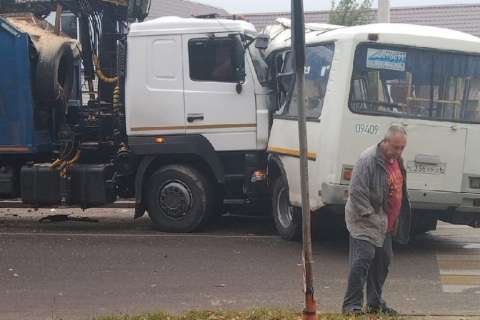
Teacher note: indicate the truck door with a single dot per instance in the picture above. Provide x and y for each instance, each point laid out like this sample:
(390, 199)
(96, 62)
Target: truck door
(213, 106)
(154, 86)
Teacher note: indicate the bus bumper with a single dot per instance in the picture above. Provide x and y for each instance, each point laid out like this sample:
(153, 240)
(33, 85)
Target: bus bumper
(453, 207)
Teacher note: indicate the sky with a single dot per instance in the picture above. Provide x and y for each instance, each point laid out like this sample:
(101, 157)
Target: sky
(248, 6)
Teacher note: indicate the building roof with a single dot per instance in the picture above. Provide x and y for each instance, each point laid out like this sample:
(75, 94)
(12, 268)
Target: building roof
(181, 8)
(460, 17)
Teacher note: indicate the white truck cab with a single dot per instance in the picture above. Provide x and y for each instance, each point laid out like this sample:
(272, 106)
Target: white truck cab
(197, 117)
(181, 80)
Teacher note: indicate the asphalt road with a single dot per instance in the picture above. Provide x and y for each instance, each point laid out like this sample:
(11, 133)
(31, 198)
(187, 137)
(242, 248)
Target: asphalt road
(82, 269)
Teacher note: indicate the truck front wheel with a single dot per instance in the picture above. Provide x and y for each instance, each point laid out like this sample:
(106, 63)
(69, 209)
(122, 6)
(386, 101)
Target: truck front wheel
(287, 218)
(178, 199)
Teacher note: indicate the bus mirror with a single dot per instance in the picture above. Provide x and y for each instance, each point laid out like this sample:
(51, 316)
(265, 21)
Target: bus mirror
(238, 58)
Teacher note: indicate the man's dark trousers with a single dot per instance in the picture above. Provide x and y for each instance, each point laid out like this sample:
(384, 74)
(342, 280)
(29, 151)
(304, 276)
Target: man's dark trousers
(368, 266)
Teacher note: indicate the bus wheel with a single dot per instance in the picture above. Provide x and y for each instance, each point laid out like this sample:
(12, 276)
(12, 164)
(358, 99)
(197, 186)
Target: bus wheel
(287, 219)
(423, 222)
(178, 199)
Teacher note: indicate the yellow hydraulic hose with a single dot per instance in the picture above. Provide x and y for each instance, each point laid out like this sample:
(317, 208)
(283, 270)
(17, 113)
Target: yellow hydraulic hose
(102, 75)
(74, 159)
(63, 165)
(116, 101)
(67, 164)
(55, 164)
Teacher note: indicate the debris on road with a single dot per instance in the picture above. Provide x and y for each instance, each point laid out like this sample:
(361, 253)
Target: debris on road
(64, 218)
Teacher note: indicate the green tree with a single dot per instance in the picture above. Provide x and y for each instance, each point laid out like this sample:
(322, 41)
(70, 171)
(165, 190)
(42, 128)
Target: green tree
(350, 12)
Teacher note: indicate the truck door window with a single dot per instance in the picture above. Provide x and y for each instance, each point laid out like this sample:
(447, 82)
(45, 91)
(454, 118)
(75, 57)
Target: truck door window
(210, 59)
(317, 71)
(416, 83)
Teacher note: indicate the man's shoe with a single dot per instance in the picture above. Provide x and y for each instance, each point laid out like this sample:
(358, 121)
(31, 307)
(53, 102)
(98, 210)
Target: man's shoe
(354, 312)
(382, 310)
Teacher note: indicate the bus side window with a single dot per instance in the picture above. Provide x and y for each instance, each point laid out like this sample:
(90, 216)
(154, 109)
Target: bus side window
(472, 103)
(359, 94)
(284, 81)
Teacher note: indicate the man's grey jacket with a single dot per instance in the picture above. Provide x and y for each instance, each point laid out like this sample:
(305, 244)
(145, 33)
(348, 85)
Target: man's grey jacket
(367, 204)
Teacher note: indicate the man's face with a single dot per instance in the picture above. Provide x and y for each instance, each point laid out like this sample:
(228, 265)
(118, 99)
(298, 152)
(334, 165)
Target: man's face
(394, 146)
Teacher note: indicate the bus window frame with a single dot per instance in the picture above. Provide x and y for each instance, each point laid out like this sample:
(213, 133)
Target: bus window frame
(284, 115)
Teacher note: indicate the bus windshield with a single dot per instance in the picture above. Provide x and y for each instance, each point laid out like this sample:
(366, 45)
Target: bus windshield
(415, 83)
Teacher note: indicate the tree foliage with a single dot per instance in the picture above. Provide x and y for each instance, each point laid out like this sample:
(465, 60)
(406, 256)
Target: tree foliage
(350, 12)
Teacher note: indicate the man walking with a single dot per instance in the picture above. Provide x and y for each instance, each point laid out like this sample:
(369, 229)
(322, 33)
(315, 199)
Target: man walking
(377, 210)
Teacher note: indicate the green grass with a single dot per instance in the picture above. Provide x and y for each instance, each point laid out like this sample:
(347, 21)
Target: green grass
(260, 314)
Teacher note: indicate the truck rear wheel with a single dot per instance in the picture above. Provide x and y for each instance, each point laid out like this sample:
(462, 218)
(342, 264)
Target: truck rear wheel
(178, 199)
(287, 218)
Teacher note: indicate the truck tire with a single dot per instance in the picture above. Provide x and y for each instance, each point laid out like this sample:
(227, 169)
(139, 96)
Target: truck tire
(54, 73)
(178, 199)
(287, 218)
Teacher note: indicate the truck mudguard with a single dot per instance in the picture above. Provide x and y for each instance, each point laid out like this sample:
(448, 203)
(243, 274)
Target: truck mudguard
(152, 148)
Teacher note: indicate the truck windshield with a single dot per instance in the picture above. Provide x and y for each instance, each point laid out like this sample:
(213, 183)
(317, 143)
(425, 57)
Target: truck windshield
(416, 83)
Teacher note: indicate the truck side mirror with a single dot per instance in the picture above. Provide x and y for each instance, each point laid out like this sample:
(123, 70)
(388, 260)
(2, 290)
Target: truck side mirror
(138, 9)
(238, 59)
(262, 41)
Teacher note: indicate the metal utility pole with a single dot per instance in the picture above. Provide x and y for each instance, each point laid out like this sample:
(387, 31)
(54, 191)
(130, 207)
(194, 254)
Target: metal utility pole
(383, 15)
(298, 46)
(58, 19)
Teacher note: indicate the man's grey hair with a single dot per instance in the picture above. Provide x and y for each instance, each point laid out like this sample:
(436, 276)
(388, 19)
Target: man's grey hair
(393, 130)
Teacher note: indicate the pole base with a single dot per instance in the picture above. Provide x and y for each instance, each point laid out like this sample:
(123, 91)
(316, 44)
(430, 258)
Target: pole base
(310, 311)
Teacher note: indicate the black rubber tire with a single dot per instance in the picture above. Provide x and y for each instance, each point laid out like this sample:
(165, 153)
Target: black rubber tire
(288, 229)
(54, 72)
(423, 222)
(199, 191)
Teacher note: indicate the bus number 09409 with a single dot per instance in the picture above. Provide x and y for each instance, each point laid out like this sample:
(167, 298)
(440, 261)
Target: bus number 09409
(365, 128)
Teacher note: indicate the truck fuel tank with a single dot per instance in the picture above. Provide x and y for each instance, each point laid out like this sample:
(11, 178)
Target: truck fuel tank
(86, 185)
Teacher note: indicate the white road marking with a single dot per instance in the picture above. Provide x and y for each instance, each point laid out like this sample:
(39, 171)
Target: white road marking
(450, 288)
(472, 246)
(453, 272)
(464, 256)
(460, 272)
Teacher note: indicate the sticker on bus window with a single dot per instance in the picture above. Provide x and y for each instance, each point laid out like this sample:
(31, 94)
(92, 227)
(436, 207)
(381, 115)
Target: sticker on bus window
(386, 59)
